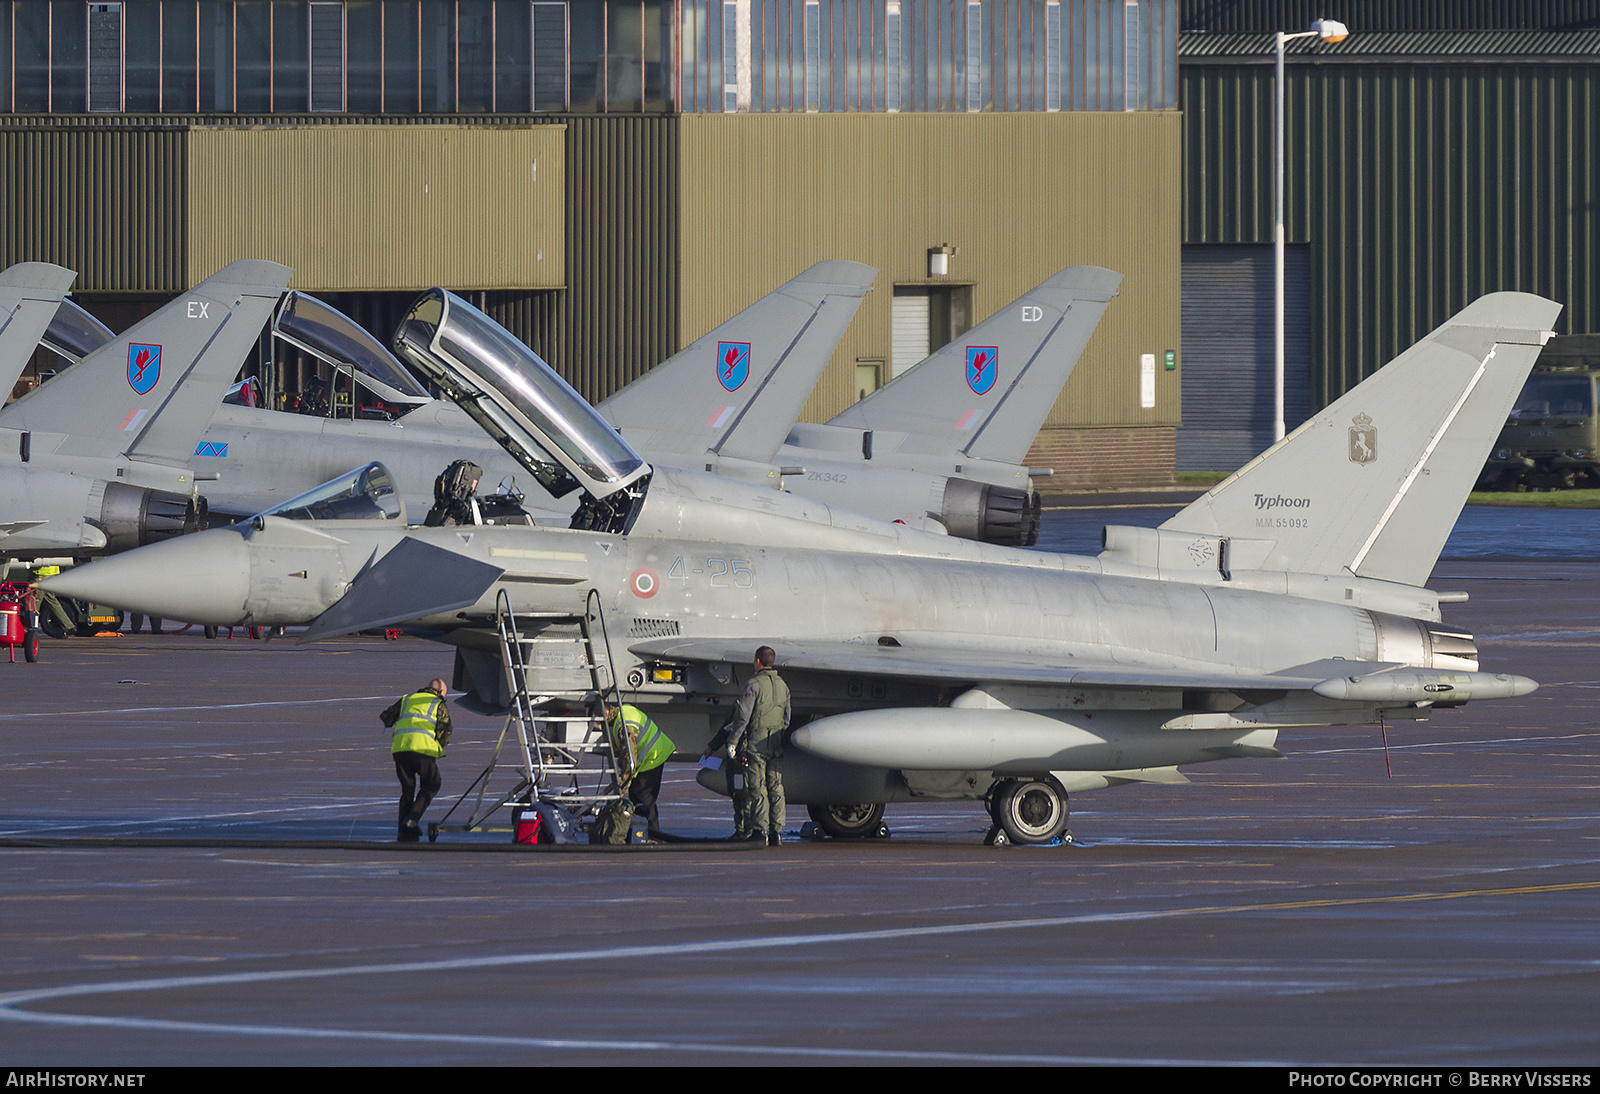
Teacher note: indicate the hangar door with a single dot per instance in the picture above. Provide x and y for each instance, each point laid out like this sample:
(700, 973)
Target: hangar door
(1227, 352)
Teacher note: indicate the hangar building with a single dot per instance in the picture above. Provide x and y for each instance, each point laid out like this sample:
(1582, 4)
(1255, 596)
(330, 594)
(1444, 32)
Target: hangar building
(611, 178)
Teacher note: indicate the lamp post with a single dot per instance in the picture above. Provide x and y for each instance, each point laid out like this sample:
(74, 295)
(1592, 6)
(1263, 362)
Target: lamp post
(1329, 31)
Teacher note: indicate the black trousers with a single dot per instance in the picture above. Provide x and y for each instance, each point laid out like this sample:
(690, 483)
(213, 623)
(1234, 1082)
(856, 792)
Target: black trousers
(412, 769)
(643, 792)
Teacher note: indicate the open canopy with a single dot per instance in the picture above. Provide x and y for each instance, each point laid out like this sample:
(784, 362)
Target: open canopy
(516, 397)
(330, 335)
(367, 493)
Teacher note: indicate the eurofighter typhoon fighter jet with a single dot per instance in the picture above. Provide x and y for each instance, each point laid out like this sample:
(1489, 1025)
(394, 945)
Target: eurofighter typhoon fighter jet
(925, 458)
(938, 447)
(254, 458)
(923, 666)
(96, 460)
(946, 439)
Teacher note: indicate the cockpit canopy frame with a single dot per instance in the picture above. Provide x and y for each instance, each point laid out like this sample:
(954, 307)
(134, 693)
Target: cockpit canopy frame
(329, 335)
(364, 493)
(518, 399)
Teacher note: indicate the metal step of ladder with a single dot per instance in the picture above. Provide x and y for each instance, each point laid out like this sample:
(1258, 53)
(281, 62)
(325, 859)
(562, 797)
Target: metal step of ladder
(566, 758)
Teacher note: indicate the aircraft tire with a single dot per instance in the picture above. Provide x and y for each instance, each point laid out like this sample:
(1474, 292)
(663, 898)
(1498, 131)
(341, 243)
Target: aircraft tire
(211, 630)
(1030, 810)
(847, 821)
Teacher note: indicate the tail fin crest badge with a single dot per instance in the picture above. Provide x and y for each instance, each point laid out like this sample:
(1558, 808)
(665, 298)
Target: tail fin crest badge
(144, 367)
(983, 368)
(1363, 439)
(733, 364)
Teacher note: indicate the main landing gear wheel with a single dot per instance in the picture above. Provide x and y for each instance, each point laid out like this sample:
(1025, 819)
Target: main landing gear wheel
(1029, 810)
(848, 821)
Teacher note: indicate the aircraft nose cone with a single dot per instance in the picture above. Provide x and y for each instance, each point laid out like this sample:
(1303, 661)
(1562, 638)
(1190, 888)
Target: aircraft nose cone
(199, 578)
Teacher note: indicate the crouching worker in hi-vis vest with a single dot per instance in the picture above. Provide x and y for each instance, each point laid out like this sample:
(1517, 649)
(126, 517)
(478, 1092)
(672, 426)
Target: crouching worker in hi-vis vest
(421, 724)
(640, 749)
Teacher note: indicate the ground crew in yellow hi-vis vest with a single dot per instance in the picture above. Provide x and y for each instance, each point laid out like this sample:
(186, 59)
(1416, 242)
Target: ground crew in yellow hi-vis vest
(641, 750)
(421, 724)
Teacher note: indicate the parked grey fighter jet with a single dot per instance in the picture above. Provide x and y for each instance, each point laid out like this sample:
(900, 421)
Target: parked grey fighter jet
(96, 459)
(30, 294)
(691, 409)
(924, 666)
(939, 447)
(926, 457)
(946, 439)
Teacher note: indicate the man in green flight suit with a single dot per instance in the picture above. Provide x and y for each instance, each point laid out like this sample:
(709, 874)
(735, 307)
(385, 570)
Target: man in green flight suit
(756, 732)
(641, 750)
(421, 724)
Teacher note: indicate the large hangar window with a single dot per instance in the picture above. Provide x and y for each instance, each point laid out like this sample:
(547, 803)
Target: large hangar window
(327, 57)
(585, 56)
(105, 57)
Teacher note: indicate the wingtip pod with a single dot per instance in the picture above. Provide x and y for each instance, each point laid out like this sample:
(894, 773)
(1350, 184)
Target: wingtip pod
(1425, 687)
(38, 275)
(841, 273)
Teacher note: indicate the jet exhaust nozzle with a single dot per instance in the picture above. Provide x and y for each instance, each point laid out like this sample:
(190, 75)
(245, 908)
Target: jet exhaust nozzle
(1002, 515)
(133, 516)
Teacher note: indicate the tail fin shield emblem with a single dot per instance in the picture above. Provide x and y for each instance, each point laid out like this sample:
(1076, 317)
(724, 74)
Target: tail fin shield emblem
(144, 367)
(1363, 439)
(733, 364)
(983, 367)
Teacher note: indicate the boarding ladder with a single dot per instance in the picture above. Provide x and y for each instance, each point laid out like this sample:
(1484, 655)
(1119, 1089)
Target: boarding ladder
(565, 759)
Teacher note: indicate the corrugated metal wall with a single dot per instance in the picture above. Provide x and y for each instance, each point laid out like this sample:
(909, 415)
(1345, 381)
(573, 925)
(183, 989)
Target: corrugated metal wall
(619, 316)
(109, 198)
(1228, 397)
(1021, 195)
(111, 203)
(381, 207)
(1417, 187)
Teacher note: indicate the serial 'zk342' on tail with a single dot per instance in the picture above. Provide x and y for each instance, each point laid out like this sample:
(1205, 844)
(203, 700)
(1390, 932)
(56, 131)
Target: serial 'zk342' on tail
(923, 666)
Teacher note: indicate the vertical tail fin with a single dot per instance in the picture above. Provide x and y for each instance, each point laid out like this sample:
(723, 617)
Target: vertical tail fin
(986, 394)
(151, 393)
(1373, 484)
(30, 293)
(726, 393)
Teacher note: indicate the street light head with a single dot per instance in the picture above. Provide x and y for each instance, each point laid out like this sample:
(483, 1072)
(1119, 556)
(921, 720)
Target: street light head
(1330, 30)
